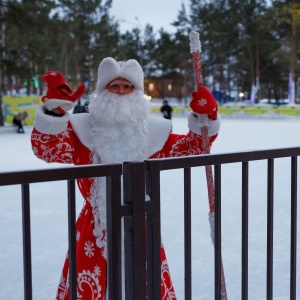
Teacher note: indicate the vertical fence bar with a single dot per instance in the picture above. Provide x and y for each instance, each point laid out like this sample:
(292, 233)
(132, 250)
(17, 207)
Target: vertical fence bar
(270, 221)
(293, 260)
(149, 235)
(245, 229)
(113, 212)
(218, 259)
(26, 242)
(135, 240)
(187, 234)
(153, 231)
(128, 233)
(72, 238)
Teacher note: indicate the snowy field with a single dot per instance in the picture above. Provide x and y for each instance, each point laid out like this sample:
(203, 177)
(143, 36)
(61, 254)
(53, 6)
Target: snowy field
(49, 216)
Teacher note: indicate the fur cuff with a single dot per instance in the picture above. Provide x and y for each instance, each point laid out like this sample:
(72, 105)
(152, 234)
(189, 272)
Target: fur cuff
(159, 131)
(54, 103)
(195, 123)
(50, 124)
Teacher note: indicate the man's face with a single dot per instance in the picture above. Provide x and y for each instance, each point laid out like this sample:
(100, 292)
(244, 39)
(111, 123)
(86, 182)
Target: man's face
(120, 86)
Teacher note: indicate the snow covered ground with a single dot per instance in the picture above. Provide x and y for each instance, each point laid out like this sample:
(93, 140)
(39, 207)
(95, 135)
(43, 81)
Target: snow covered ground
(49, 215)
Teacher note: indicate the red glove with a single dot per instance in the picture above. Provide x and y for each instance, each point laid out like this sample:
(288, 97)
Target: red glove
(59, 95)
(204, 103)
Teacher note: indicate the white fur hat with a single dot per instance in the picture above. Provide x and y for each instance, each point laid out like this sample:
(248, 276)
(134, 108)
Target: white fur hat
(110, 69)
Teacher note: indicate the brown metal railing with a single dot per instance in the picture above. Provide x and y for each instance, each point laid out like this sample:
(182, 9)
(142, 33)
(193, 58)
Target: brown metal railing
(153, 169)
(113, 178)
(142, 216)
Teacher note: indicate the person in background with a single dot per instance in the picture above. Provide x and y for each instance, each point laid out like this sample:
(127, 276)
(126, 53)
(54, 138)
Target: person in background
(80, 108)
(19, 120)
(166, 110)
(119, 127)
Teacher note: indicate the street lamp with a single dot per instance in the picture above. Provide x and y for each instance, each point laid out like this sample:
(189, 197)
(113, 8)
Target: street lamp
(241, 95)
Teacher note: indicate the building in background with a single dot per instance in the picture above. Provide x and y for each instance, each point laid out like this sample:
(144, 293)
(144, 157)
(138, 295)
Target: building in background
(172, 85)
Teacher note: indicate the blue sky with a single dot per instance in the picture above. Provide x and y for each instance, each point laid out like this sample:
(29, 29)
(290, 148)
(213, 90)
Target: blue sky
(158, 13)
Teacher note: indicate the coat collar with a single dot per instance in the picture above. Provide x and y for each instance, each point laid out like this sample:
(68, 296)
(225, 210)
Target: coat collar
(158, 131)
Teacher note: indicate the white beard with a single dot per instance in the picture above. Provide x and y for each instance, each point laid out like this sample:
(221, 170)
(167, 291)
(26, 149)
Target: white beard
(119, 133)
(119, 127)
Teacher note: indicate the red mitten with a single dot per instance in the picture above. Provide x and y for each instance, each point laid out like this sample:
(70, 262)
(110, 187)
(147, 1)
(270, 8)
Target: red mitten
(204, 103)
(59, 95)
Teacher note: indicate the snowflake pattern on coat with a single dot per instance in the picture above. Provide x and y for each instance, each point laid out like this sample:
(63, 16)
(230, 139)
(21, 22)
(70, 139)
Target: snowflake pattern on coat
(91, 263)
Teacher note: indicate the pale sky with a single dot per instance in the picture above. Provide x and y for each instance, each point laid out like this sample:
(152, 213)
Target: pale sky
(158, 13)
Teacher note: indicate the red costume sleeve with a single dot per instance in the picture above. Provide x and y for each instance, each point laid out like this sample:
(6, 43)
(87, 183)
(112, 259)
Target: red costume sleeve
(54, 148)
(182, 145)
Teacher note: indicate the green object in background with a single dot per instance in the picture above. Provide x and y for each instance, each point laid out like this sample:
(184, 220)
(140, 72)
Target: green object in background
(257, 110)
(250, 110)
(35, 82)
(229, 110)
(294, 110)
(14, 105)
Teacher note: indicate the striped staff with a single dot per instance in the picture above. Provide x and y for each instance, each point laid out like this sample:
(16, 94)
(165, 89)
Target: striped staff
(195, 47)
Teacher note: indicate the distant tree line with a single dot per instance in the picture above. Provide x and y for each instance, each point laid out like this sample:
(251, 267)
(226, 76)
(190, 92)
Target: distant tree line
(245, 44)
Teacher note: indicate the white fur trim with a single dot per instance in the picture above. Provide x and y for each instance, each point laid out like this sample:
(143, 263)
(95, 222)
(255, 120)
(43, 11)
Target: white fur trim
(195, 44)
(195, 123)
(81, 124)
(159, 130)
(50, 124)
(109, 69)
(54, 103)
(211, 219)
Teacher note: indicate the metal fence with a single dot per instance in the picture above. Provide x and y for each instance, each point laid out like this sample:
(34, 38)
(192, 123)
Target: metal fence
(144, 249)
(153, 169)
(112, 173)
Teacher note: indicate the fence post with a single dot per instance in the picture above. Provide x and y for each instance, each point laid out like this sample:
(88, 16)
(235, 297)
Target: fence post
(72, 238)
(134, 231)
(26, 242)
(113, 212)
(270, 229)
(293, 252)
(153, 231)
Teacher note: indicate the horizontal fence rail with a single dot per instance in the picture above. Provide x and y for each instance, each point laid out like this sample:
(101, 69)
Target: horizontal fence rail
(57, 174)
(131, 279)
(218, 159)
